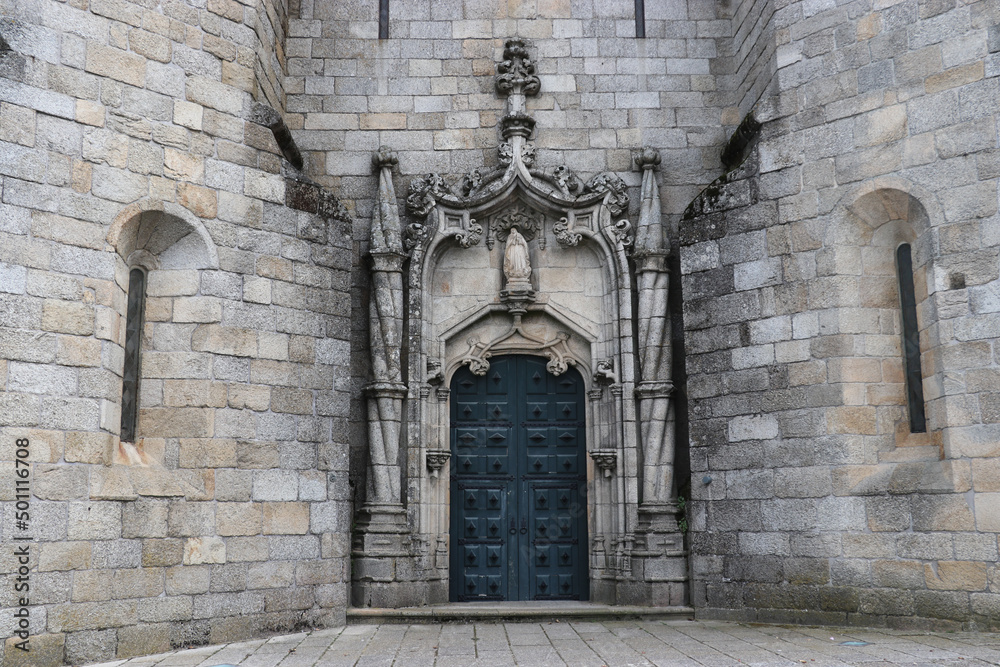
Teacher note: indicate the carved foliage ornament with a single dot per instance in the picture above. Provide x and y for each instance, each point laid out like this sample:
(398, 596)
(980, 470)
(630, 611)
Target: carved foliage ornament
(610, 183)
(528, 224)
(471, 236)
(478, 179)
(562, 177)
(556, 350)
(516, 72)
(621, 231)
(424, 192)
(506, 152)
(564, 236)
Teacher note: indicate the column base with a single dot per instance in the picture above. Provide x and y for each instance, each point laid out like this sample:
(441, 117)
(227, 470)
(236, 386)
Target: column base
(659, 560)
(381, 531)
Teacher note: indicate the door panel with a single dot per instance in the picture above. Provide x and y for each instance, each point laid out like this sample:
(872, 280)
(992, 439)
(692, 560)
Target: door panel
(518, 509)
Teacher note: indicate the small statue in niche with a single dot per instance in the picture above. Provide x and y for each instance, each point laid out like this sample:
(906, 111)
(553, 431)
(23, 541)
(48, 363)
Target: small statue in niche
(516, 265)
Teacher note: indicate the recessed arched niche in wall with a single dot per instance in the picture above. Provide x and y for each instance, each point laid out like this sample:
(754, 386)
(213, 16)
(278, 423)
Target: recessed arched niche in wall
(882, 240)
(162, 250)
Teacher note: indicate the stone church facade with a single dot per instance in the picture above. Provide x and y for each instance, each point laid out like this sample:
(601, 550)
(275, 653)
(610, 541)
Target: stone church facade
(311, 304)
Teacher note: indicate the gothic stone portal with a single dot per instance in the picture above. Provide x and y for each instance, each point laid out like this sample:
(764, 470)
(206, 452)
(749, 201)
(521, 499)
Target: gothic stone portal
(529, 262)
(518, 522)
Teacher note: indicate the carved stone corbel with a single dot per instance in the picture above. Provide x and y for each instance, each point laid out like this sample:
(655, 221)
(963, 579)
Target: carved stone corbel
(435, 376)
(606, 460)
(436, 460)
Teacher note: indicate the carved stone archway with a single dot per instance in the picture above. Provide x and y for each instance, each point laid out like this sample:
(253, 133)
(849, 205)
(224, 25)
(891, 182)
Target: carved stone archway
(520, 260)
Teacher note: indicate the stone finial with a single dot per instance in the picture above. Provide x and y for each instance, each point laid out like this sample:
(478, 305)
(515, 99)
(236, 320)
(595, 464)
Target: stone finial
(517, 125)
(385, 157)
(646, 158)
(516, 72)
(385, 237)
(649, 238)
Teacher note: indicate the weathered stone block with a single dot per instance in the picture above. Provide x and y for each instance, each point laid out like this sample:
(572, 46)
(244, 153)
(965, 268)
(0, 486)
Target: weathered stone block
(145, 518)
(897, 574)
(43, 651)
(94, 521)
(191, 519)
(90, 645)
(207, 453)
(116, 64)
(955, 576)
(199, 550)
(187, 580)
(988, 512)
(201, 201)
(137, 583)
(162, 552)
(92, 615)
(286, 518)
(92, 585)
(143, 640)
(225, 340)
(238, 518)
(176, 422)
(59, 482)
(270, 575)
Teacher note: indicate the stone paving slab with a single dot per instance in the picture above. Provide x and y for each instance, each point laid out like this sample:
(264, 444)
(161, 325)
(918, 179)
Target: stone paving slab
(617, 643)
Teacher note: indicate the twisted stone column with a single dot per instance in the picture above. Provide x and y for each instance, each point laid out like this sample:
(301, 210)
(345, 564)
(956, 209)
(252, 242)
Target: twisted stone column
(383, 511)
(654, 389)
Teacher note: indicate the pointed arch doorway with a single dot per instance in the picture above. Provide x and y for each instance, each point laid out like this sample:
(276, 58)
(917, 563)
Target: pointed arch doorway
(518, 489)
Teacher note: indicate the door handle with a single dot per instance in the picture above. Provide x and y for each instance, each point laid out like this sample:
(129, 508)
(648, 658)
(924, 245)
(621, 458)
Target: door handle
(513, 527)
(524, 526)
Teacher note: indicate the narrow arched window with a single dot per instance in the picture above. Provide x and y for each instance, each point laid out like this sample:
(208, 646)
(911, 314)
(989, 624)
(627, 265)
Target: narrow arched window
(133, 335)
(911, 340)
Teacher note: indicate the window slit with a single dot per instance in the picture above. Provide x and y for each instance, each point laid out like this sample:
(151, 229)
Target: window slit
(383, 19)
(640, 18)
(133, 338)
(911, 340)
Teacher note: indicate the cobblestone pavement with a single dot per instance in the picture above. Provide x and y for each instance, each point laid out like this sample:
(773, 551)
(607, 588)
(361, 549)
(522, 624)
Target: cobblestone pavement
(584, 644)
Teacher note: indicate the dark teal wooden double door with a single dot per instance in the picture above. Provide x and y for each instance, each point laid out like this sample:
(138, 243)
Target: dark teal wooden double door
(518, 486)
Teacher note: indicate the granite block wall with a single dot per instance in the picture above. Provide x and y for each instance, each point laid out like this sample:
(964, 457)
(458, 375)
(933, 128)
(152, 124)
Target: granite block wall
(137, 135)
(814, 500)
